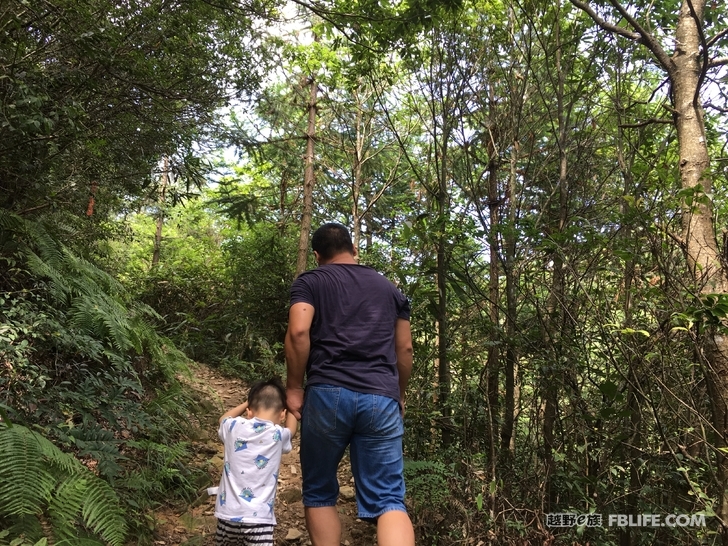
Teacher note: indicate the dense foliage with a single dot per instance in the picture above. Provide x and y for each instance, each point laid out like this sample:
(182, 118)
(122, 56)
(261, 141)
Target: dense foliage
(97, 99)
(519, 169)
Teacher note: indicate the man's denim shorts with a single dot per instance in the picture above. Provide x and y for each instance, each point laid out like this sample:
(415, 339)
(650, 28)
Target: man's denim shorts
(371, 424)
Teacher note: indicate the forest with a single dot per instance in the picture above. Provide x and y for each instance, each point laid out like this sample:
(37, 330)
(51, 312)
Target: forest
(546, 181)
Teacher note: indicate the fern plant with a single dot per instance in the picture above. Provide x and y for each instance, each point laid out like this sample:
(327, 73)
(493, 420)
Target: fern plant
(47, 494)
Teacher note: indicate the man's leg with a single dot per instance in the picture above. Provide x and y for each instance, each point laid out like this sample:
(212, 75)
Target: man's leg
(377, 462)
(394, 528)
(324, 526)
(325, 433)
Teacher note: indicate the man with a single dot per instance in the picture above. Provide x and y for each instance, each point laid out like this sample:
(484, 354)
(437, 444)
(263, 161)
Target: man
(349, 334)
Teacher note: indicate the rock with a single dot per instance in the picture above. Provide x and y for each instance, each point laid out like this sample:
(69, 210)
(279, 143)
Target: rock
(294, 470)
(293, 534)
(211, 448)
(290, 495)
(217, 462)
(347, 493)
(199, 434)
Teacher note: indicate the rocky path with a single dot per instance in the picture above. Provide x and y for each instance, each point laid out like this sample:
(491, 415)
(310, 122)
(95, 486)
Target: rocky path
(194, 525)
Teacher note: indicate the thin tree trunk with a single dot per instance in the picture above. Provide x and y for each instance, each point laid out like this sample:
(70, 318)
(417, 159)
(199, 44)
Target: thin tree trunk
(356, 183)
(556, 298)
(308, 179)
(160, 213)
(493, 363)
(511, 362)
(443, 369)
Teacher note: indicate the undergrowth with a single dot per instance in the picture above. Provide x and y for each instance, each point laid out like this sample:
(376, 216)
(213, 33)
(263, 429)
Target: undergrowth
(85, 378)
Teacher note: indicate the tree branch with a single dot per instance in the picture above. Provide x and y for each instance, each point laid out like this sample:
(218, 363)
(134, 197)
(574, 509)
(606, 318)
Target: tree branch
(609, 27)
(646, 38)
(712, 106)
(718, 61)
(718, 36)
(704, 45)
(646, 122)
(641, 36)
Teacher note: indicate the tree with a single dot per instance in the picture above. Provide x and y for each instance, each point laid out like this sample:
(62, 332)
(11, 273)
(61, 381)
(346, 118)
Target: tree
(687, 68)
(94, 94)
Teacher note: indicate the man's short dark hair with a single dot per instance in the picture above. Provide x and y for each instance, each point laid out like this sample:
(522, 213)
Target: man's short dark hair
(331, 239)
(269, 394)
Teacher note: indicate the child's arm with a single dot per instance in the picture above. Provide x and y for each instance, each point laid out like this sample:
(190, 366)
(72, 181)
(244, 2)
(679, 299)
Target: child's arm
(235, 412)
(291, 423)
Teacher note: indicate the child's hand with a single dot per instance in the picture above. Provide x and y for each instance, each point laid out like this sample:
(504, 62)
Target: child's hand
(291, 423)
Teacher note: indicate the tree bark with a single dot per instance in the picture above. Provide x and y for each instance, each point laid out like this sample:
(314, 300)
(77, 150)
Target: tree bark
(308, 179)
(511, 360)
(160, 213)
(685, 70)
(493, 363)
(554, 320)
(701, 246)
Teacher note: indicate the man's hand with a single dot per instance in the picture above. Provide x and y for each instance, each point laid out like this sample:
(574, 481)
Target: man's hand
(294, 401)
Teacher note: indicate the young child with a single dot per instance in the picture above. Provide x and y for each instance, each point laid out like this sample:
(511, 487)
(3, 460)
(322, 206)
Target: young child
(254, 444)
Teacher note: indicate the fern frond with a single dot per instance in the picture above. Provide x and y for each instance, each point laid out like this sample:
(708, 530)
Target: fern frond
(49, 250)
(28, 527)
(59, 288)
(37, 478)
(66, 505)
(10, 221)
(57, 458)
(100, 444)
(101, 316)
(22, 458)
(101, 512)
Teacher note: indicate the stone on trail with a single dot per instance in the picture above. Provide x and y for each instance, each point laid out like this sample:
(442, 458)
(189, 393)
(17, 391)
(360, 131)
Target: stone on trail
(347, 493)
(293, 534)
(290, 495)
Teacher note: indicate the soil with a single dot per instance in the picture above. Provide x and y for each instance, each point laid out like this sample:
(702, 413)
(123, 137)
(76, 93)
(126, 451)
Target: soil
(194, 524)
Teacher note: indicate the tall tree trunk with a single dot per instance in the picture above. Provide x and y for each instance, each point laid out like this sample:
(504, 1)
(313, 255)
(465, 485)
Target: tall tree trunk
(685, 69)
(160, 212)
(511, 361)
(510, 401)
(356, 183)
(555, 313)
(493, 363)
(308, 178)
(444, 374)
(703, 256)
(632, 445)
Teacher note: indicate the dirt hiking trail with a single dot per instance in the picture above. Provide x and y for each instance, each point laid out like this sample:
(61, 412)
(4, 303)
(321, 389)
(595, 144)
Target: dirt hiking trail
(194, 525)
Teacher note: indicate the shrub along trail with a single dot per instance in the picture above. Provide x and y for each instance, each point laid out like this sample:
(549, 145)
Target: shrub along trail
(194, 524)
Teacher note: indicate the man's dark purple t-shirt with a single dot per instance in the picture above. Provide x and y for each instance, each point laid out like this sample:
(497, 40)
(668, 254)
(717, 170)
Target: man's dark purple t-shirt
(352, 333)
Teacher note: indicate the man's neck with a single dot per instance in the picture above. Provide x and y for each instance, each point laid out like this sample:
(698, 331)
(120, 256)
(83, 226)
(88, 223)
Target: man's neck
(342, 258)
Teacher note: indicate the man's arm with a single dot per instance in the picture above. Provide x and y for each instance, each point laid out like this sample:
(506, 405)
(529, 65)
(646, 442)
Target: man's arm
(297, 348)
(405, 355)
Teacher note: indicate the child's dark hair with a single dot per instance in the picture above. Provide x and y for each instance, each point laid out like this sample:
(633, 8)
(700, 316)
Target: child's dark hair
(268, 394)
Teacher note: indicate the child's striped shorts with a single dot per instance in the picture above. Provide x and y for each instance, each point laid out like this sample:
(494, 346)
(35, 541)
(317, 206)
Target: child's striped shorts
(234, 533)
